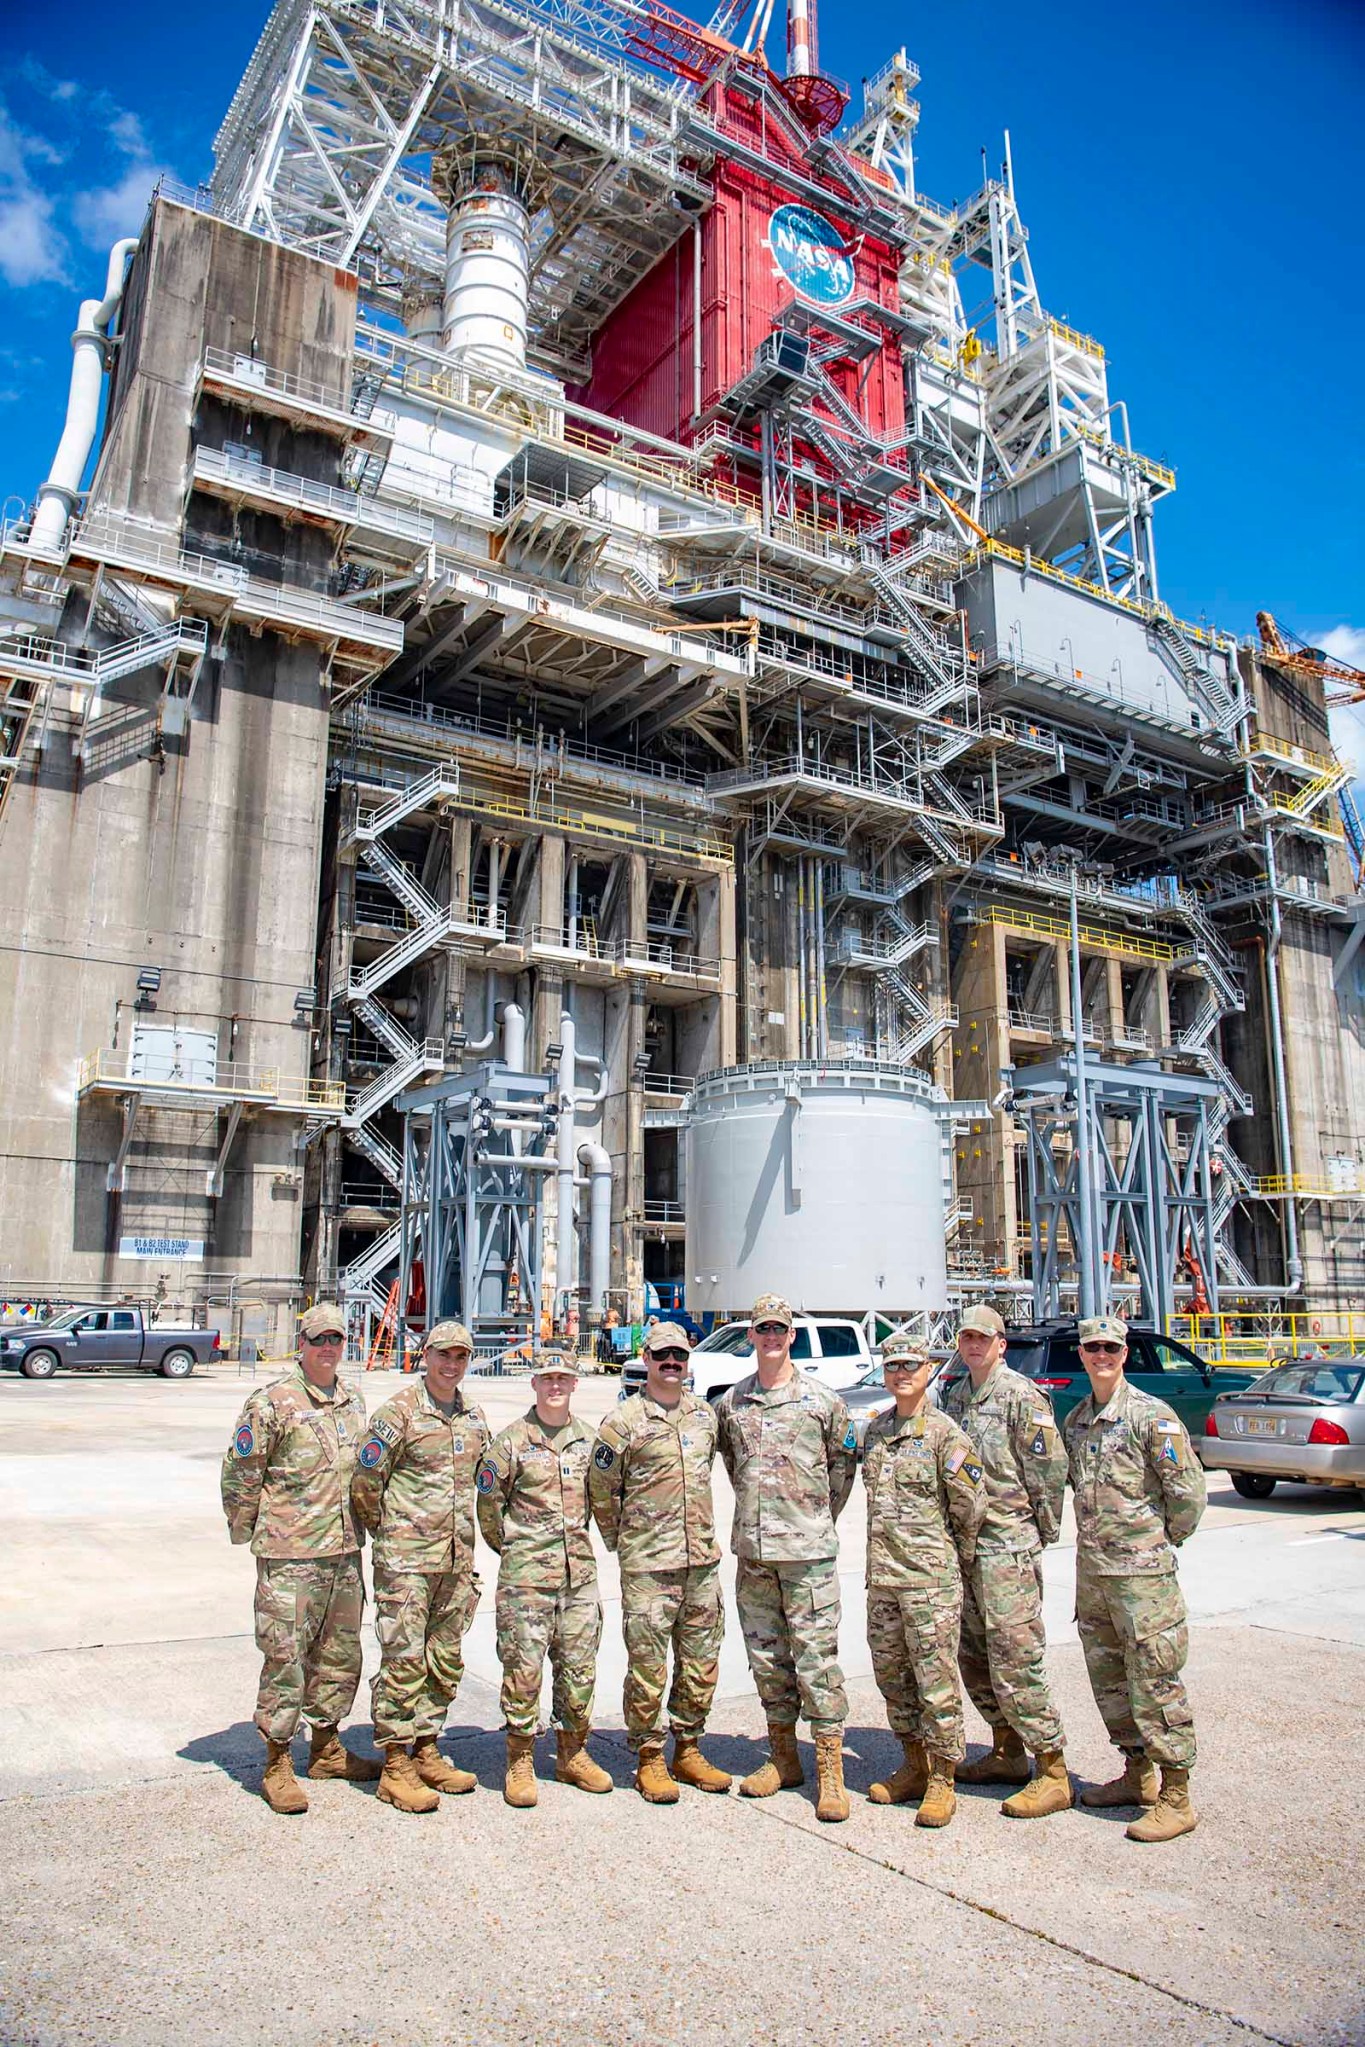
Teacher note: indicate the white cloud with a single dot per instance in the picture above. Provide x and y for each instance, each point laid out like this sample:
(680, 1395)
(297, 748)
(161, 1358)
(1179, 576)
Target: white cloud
(1345, 643)
(125, 132)
(106, 213)
(32, 249)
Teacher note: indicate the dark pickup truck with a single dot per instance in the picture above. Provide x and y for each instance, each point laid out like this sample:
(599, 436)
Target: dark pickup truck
(92, 1339)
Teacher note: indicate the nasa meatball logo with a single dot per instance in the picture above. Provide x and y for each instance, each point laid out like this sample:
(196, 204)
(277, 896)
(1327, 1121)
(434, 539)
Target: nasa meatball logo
(811, 255)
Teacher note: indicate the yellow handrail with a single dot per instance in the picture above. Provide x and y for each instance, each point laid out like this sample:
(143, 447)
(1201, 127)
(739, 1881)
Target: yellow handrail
(1093, 937)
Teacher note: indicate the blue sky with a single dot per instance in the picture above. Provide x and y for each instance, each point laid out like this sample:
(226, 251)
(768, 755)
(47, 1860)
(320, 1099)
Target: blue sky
(1189, 174)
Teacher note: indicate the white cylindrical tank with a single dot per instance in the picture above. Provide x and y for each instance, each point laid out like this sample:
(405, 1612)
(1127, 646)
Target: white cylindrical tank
(820, 1182)
(488, 264)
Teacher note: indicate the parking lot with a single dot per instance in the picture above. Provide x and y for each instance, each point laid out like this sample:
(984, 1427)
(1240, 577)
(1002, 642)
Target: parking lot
(149, 1896)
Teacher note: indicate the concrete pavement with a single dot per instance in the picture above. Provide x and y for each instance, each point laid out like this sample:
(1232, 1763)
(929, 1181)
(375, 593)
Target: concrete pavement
(148, 1894)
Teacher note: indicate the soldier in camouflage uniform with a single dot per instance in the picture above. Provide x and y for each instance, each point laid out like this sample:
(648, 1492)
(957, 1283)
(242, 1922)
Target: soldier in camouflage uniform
(413, 1490)
(1139, 1494)
(286, 1487)
(533, 1510)
(925, 1502)
(1019, 1446)
(791, 1452)
(650, 1486)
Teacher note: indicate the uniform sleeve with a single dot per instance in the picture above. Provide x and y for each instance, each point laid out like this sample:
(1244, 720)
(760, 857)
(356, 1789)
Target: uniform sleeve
(1041, 1456)
(725, 1434)
(841, 1440)
(964, 1491)
(493, 1484)
(1179, 1474)
(607, 1480)
(244, 1466)
(379, 1453)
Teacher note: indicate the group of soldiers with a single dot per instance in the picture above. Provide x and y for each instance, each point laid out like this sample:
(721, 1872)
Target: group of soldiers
(961, 1501)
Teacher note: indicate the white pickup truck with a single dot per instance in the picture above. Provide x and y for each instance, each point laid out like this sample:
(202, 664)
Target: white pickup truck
(832, 1348)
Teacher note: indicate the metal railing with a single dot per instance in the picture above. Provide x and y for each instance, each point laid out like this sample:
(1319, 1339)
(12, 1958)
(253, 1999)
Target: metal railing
(1268, 1338)
(673, 1084)
(108, 1068)
(325, 500)
(664, 1212)
(248, 373)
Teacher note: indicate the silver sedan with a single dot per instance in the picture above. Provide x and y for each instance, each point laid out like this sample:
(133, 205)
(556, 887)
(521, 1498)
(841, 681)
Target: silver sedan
(1303, 1422)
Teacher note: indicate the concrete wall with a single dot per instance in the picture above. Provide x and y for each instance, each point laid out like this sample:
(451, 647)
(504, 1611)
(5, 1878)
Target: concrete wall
(195, 853)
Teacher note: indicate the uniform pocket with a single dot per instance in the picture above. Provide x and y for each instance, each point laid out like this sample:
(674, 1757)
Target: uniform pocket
(817, 1595)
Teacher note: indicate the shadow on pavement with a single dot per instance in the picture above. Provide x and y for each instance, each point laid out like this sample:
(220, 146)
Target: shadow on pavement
(237, 1751)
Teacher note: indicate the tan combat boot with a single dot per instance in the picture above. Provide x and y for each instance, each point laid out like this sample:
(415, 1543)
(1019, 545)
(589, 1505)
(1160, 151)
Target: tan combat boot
(781, 1772)
(1006, 1761)
(520, 1785)
(573, 1764)
(691, 1767)
(434, 1771)
(1172, 1815)
(831, 1799)
(399, 1784)
(327, 1757)
(1049, 1791)
(280, 1788)
(910, 1781)
(1139, 1785)
(940, 1801)
(652, 1780)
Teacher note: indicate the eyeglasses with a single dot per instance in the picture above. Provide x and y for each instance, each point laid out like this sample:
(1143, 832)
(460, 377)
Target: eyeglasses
(1106, 1349)
(669, 1357)
(770, 1329)
(327, 1339)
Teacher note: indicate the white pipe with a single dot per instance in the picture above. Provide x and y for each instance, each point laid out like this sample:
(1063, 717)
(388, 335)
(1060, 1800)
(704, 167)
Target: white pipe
(598, 1162)
(488, 266)
(566, 1145)
(89, 343)
(514, 1036)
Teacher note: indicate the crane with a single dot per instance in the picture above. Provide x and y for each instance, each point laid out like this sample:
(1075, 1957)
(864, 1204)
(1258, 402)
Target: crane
(1282, 649)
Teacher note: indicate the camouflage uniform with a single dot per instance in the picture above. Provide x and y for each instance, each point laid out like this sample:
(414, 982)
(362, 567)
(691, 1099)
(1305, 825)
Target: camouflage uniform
(1016, 1440)
(533, 1510)
(925, 1502)
(791, 1453)
(650, 1486)
(1139, 1494)
(414, 1490)
(286, 1488)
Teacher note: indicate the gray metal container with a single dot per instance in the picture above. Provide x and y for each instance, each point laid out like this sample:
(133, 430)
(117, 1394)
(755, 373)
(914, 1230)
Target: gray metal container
(820, 1182)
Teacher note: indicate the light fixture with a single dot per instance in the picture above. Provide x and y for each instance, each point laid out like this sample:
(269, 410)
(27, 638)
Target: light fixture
(148, 984)
(305, 1002)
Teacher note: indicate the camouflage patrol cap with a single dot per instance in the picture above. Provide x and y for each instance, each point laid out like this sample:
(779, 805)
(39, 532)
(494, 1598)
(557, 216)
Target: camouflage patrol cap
(546, 1361)
(904, 1350)
(322, 1319)
(667, 1336)
(1102, 1329)
(449, 1336)
(772, 1308)
(983, 1320)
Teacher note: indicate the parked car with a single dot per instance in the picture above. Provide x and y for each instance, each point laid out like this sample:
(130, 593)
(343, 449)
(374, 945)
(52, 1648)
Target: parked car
(1047, 1354)
(832, 1348)
(95, 1339)
(1304, 1422)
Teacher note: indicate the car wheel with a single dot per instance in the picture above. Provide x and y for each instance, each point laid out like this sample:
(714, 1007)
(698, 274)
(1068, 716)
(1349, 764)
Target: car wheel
(177, 1364)
(40, 1364)
(1251, 1485)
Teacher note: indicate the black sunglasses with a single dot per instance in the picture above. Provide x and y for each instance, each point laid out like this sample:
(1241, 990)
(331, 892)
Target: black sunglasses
(1112, 1349)
(770, 1329)
(329, 1336)
(670, 1357)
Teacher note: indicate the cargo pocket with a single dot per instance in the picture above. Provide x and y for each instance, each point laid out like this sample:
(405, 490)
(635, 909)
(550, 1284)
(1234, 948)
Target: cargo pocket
(817, 1596)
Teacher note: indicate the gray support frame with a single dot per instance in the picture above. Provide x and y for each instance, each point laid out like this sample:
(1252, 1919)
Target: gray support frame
(1149, 1141)
(472, 1199)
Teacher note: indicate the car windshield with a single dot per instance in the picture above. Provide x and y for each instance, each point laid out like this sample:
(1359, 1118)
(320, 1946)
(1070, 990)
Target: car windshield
(1311, 1382)
(1026, 1355)
(68, 1320)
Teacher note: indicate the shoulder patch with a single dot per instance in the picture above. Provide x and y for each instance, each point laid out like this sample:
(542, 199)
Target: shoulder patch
(1042, 1421)
(1038, 1446)
(244, 1442)
(486, 1477)
(373, 1448)
(956, 1459)
(1170, 1452)
(1168, 1428)
(972, 1470)
(385, 1430)
(604, 1457)
(850, 1438)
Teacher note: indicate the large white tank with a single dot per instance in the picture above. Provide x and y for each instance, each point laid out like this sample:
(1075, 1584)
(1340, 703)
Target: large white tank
(820, 1182)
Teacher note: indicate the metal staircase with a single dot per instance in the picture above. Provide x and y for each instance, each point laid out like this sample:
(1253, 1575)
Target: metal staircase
(1220, 704)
